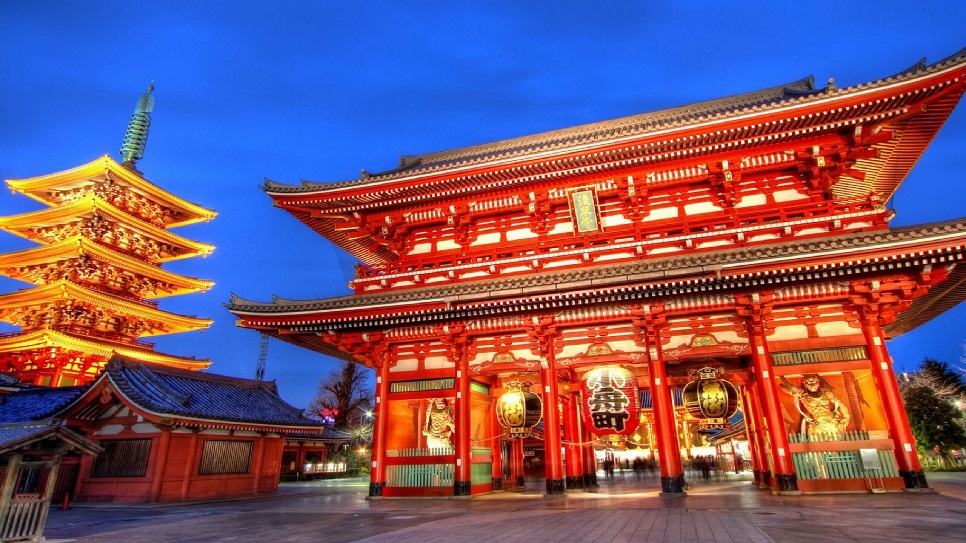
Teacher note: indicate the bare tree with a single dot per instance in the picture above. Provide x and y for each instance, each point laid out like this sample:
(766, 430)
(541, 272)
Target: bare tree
(344, 397)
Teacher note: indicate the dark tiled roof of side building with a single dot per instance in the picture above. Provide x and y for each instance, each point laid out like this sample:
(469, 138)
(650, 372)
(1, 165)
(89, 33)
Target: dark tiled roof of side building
(31, 404)
(195, 395)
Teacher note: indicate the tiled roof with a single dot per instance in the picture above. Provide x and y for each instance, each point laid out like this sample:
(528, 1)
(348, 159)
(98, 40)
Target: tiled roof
(652, 268)
(32, 404)
(14, 437)
(195, 395)
(798, 92)
(328, 434)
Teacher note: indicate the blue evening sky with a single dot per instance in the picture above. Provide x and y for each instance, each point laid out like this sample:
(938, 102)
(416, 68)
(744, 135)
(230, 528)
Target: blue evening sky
(318, 90)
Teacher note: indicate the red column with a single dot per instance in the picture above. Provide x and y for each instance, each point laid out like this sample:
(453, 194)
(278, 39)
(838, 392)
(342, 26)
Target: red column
(885, 383)
(377, 478)
(189, 465)
(259, 461)
(752, 425)
(160, 462)
(575, 462)
(496, 448)
(462, 481)
(551, 425)
(516, 463)
(590, 457)
(672, 472)
(784, 479)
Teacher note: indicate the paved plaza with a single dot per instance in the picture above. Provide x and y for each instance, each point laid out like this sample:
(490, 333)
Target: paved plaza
(720, 510)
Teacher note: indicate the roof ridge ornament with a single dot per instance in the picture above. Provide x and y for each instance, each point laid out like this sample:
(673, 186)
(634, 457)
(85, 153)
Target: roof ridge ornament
(136, 137)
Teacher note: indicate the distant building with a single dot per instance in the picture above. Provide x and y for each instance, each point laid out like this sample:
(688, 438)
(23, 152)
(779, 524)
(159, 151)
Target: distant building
(98, 271)
(747, 236)
(166, 434)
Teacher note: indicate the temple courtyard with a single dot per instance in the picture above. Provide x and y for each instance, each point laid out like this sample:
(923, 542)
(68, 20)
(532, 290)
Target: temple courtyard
(721, 509)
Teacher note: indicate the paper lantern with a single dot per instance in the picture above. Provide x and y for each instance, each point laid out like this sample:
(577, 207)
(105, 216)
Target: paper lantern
(518, 409)
(710, 399)
(610, 401)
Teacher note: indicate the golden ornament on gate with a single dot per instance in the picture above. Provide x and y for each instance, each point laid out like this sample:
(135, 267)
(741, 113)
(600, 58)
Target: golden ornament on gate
(709, 398)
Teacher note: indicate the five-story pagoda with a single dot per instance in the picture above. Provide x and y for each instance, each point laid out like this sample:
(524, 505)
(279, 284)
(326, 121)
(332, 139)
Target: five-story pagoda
(98, 271)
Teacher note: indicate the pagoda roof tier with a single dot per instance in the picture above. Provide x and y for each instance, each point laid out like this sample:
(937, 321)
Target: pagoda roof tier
(837, 258)
(43, 339)
(69, 185)
(909, 107)
(72, 259)
(52, 226)
(61, 293)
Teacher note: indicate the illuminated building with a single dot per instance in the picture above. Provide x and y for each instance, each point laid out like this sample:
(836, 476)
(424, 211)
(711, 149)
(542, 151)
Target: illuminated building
(98, 272)
(747, 234)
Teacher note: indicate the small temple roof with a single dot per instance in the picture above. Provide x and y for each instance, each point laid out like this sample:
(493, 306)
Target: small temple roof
(42, 188)
(34, 404)
(16, 437)
(201, 397)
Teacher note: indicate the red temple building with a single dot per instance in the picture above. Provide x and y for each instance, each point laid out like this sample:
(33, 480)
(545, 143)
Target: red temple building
(97, 272)
(735, 252)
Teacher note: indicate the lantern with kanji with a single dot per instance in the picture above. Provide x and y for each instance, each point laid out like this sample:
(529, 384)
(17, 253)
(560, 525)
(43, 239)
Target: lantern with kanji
(710, 399)
(610, 401)
(518, 409)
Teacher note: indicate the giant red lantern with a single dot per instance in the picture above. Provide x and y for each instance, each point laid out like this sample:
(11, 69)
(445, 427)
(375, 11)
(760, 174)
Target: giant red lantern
(610, 405)
(710, 399)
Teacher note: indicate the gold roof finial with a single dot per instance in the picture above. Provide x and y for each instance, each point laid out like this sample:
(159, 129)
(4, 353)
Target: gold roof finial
(136, 137)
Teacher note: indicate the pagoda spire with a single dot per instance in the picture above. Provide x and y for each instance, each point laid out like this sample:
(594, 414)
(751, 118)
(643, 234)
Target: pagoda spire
(136, 137)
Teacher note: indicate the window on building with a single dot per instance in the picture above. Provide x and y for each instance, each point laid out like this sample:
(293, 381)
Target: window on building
(122, 458)
(225, 457)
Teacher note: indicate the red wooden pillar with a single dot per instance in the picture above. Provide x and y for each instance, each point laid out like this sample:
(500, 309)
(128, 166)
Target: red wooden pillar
(160, 462)
(672, 472)
(517, 463)
(496, 448)
(551, 425)
(462, 481)
(189, 465)
(752, 425)
(783, 478)
(885, 383)
(259, 462)
(589, 455)
(575, 462)
(377, 478)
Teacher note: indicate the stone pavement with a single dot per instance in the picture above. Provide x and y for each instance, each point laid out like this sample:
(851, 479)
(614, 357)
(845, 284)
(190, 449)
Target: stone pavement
(720, 510)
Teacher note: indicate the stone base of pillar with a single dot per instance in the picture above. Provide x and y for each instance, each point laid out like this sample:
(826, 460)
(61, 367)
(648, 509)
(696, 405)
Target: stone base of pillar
(673, 486)
(375, 490)
(520, 481)
(915, 481)
(756, 476)
(590, 480)
(497, 483)
(461, 488)
(786, 482)
(765, 481)
(575, 481)
(555, 488)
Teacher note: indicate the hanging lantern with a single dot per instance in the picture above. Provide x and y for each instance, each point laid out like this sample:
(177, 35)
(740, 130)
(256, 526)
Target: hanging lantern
(710, 399)
(610, 405)
(518, 409)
